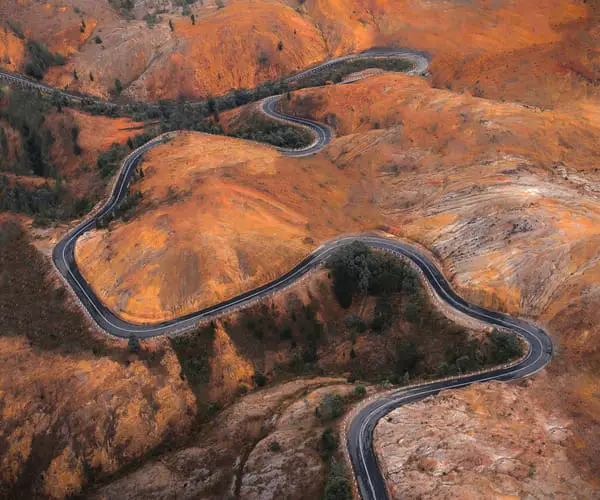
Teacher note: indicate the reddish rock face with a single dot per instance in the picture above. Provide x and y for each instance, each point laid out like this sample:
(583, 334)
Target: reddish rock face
(485, 441)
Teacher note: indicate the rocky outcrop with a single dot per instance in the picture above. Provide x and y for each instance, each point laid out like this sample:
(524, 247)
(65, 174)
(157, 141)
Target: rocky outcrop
(487, 441)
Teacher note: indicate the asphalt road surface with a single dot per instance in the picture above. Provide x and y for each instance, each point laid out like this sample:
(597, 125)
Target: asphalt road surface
(360, 435)
(322, 133)
(420, 61)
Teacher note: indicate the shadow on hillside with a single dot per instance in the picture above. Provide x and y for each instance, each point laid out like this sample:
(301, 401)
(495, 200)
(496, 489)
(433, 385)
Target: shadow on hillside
(33, 307)
(194, 351)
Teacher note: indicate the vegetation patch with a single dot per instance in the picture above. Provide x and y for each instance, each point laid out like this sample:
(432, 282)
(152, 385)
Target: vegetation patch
(359, 273)
(356, 269)
(46, 203)
(203, 116)
(336, 72)
(41, 59)
(31, 306)
(27, 115)
(337, 485)
(194, 352)
(32, 155)
(16, 28)
(123, 7)
(261, 129)
(110, 160)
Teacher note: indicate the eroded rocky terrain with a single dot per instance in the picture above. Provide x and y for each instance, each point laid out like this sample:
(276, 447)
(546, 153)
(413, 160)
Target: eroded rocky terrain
(237, 456)
(547, 47)
(487, 441)
(491, 163)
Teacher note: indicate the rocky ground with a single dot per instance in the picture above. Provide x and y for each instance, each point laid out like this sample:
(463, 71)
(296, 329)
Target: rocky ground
(236, 455)
(491, 163)
(487, 441)
(547, 46)
(81, 411)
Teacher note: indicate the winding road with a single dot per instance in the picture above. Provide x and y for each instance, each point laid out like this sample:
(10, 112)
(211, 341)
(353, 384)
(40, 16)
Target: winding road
(359, 437)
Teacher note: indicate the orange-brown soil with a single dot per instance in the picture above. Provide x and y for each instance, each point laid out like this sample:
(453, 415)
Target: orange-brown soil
(221, 214)
(78, 407)
(12, 50)
(55, 23)
(504, 195)
(549, 73)
(235, 48)
(488, 441)
(228, 48)
(500, 49)
(78, 172)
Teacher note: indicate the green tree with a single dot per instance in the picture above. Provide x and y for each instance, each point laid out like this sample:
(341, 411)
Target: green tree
(118, 86)
(407, 356)
(57, 100)
(260, 379)
(383, 314)
(328, 443)
(331, 407)
(4, 143)
(263, 58)
(504, 347)
(133, 344)
(463, 364)
(74, 138)
(443, 369)
(193, 18)
(412, 312)
(360, 391)
(213, 108)
(274, 446)
(337, 486)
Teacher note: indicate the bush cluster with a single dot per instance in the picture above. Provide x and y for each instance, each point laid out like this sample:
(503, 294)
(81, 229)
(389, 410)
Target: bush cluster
(273, 132)
(41, 59)
(357, 269)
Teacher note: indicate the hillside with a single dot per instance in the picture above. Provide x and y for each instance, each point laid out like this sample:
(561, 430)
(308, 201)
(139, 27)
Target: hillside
(86, 410)
(495, 190)
(498, 192)
(49, 156)
(548, 45)
(444, 146)
(489, 163)
(228, 221)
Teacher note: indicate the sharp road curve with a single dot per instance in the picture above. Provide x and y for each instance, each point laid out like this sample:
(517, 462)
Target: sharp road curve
(359, 437)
